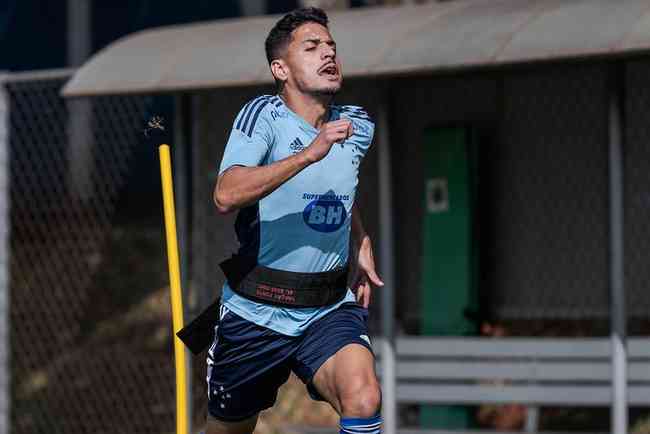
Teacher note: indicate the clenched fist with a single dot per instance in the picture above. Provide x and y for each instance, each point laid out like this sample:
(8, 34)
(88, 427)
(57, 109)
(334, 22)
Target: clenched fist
(330, 133)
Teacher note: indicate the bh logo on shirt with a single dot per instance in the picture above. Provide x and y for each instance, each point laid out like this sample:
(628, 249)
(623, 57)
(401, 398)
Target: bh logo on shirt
(325, 214)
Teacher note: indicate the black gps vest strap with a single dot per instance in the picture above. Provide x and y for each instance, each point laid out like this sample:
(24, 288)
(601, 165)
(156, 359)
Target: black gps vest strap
(266, 285)
(284, 288)
(198, 334)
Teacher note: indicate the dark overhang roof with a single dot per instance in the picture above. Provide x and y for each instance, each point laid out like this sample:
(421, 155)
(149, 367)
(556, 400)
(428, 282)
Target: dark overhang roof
(380, 41)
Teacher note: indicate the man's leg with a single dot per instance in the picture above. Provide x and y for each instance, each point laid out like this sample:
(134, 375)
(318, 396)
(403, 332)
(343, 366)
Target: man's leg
(215, 426)
(348, 382)
(247, 364)
(335, 360)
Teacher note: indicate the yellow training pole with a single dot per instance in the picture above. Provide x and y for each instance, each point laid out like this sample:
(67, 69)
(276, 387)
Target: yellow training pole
(175, 285)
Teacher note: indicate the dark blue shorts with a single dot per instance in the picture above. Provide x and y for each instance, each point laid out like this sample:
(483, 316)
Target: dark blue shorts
(247, 363)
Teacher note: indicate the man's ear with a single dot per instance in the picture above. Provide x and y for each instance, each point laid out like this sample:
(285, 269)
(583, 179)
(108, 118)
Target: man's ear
(280, 70)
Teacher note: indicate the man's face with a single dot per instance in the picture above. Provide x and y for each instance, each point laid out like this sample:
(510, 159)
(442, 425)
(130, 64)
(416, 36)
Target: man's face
(311, 59)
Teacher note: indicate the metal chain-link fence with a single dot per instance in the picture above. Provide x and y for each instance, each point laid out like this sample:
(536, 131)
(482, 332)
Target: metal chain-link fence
(549, 177)
(543, 195)
(637, 194)
(90, 345)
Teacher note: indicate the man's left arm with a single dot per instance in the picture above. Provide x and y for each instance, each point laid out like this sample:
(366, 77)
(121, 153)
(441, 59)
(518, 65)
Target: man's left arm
(362, 261)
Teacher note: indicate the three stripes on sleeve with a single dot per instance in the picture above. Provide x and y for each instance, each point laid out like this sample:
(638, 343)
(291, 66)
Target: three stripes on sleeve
(249, 115)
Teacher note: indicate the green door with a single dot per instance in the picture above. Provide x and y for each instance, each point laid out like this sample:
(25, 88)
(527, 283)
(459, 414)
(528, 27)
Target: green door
(448, 253)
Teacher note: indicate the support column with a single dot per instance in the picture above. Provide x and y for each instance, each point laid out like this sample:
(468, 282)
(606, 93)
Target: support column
(617, 286)
(182, 181)
(202, 263)
(387, 270)
(5, 225)
(80, 137)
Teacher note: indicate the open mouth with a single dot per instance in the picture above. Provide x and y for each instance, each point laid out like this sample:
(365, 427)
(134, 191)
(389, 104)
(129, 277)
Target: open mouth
(330, 70)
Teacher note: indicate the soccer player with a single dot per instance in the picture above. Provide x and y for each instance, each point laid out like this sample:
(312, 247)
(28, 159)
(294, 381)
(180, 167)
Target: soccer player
(290, 168)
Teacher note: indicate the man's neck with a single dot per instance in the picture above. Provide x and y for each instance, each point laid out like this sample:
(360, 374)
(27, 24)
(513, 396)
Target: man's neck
(312, 108)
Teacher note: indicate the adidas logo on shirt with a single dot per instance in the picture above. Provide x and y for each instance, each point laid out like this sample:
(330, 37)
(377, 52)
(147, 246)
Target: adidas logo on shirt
(296, 146)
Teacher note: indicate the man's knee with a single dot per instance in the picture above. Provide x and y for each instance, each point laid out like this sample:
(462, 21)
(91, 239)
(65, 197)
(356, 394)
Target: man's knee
(361, 397)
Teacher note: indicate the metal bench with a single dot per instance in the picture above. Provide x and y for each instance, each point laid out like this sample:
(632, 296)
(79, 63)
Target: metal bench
(529, 371)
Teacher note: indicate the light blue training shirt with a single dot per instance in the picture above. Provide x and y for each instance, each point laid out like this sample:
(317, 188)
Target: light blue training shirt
(304, 225)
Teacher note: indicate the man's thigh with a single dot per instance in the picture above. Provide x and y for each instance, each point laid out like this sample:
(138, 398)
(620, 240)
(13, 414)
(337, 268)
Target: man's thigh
(345, 377)
(336, 349)
(247, 364)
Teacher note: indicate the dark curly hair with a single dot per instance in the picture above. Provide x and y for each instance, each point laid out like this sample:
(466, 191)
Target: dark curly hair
(280, 35)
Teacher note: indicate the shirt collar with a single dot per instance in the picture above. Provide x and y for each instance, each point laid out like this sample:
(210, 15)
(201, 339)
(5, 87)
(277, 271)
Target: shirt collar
(279, 104)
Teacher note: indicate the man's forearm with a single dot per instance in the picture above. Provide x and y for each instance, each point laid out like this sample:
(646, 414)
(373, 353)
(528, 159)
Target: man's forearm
(358, 233)
(241, 186)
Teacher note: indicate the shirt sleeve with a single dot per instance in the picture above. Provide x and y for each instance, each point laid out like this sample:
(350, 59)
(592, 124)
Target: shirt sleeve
(363, 128)
(251, 137)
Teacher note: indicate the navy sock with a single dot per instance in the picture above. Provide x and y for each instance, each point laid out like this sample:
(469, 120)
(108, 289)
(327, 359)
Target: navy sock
(360, 425)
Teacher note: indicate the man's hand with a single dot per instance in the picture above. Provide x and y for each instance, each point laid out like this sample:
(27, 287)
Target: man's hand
(363, 272)
(330, 133)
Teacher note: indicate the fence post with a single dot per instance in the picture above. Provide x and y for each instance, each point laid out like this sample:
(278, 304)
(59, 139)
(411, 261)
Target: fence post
(80, 137)
(616, 275)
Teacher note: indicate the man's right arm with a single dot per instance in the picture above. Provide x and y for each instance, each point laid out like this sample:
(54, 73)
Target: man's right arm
(241, 186)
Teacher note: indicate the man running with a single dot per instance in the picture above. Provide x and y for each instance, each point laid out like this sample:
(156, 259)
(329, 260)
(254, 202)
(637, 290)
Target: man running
(291, 169)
